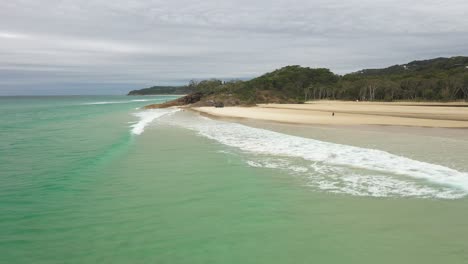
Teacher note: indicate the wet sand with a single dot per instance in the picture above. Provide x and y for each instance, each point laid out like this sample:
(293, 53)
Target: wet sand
(437, 115)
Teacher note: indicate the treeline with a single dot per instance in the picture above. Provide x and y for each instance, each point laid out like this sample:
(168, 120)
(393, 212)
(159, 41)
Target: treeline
(441, 79)
(155, 90)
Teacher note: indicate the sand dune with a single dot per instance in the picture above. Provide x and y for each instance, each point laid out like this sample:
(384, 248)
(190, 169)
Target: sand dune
(450, 115)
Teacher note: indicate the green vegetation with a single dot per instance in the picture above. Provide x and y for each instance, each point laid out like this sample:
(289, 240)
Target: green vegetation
(290, 84)
(440, 79)
(155, 90)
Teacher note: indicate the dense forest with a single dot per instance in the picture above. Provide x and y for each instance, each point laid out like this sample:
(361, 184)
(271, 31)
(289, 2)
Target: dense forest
(440, 79)
(155, 90)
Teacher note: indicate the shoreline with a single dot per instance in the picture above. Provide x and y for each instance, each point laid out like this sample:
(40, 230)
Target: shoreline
(425, 115)
(302, 130)
(156, 94)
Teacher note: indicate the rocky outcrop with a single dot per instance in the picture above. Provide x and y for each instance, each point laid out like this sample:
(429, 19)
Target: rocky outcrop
(185, 100)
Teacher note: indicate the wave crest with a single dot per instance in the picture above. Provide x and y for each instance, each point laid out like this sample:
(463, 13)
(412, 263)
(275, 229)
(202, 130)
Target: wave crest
(147, 116)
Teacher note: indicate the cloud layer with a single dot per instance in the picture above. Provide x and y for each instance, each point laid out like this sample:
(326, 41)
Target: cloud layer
(103, 47)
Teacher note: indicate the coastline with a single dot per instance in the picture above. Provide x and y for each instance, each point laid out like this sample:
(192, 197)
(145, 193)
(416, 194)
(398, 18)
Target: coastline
(156, 94)
(430, 115)
(406, 141)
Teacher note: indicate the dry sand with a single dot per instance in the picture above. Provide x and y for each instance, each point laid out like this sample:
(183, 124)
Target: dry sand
(448, 115)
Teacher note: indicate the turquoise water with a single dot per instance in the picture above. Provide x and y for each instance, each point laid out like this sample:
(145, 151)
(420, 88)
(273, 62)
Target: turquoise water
(96, 179)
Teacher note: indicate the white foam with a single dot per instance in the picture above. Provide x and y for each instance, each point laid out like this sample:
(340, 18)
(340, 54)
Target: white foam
(346, 181)
(384, 170)
(142, 100)
(102, 103)
(119, 102)
(147, 116)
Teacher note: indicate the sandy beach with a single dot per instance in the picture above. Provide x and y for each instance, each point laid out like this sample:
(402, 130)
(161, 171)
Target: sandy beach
(444, 115)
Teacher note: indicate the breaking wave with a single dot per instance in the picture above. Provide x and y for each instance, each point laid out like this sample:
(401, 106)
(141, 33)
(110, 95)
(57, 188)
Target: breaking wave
(335, 167)
(147, 116)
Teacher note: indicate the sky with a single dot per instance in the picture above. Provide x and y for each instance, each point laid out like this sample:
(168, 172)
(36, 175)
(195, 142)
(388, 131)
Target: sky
(113, 46)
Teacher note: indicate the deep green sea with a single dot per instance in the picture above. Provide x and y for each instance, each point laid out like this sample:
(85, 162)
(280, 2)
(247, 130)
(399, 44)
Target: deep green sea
(96, 179)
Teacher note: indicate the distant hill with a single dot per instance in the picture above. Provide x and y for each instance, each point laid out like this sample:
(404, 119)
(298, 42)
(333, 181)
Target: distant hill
(449, 66)
(155, 90)
(439, 79)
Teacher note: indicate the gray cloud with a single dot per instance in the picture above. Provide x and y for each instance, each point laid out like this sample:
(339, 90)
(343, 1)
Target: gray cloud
(113, 46)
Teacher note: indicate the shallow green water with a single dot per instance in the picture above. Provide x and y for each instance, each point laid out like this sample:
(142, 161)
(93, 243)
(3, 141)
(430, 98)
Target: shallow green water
(77, 186)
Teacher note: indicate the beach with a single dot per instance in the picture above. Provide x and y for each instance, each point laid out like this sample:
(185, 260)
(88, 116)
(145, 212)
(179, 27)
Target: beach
(173, 186)
(437, 115)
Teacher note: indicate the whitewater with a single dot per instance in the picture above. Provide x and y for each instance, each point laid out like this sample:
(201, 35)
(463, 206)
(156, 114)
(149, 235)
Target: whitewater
(327, 166)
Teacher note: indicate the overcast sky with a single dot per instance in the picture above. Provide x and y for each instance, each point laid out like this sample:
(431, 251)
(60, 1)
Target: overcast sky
(112, 46)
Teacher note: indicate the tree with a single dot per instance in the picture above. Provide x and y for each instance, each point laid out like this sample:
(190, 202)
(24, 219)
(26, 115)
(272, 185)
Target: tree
(464, 86)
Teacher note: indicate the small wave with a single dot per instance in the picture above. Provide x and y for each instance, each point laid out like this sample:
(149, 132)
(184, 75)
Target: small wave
(337, 167)
(147, 116)
(142, 100)
(119, 102)
(101, 103)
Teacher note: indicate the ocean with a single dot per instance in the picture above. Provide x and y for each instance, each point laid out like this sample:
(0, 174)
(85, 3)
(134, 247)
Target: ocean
(97, 179)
